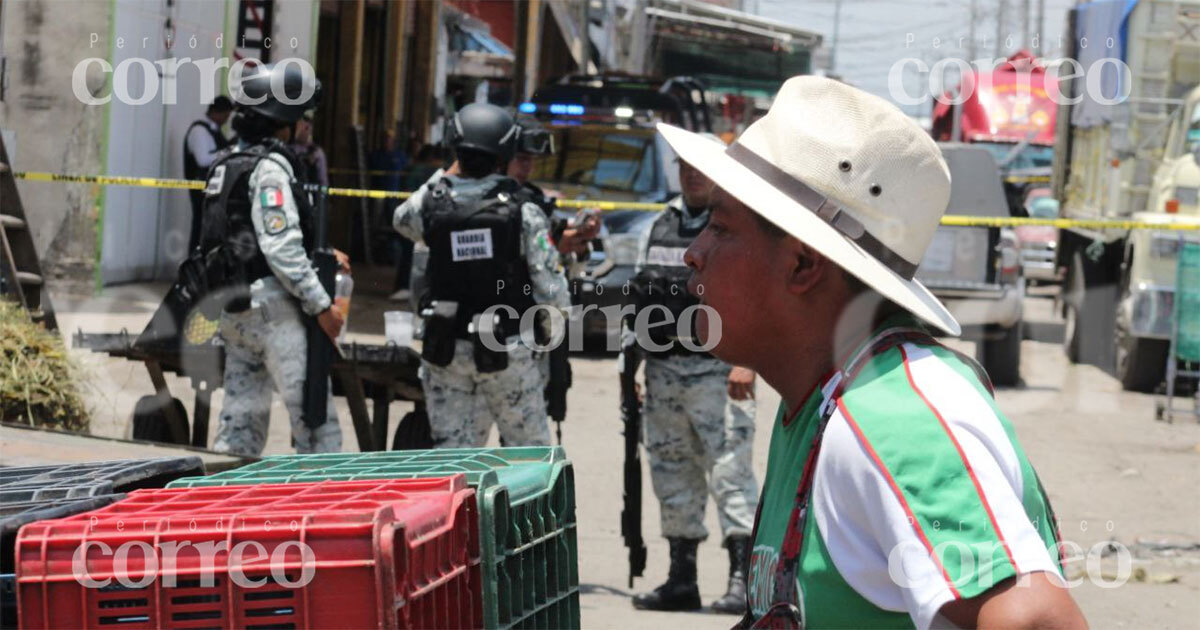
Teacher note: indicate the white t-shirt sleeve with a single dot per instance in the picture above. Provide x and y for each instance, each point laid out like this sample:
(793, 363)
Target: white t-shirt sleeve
(887, 515)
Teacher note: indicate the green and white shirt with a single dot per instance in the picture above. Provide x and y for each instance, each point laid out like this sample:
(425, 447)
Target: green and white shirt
(921, 495)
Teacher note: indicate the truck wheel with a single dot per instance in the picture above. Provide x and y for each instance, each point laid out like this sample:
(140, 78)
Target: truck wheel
(1141, 362)
(150, 422)
(1091, 304)
(1001, 357)
(1070, 333)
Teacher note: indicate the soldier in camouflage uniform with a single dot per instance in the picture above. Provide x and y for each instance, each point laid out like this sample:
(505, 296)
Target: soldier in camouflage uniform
(463, 395)
(698, 417)
(266, 224)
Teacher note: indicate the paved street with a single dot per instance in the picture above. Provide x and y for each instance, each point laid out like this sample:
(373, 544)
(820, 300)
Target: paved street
(1113, 472)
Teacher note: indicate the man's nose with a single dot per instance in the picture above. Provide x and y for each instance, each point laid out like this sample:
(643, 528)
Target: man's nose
(693, 257)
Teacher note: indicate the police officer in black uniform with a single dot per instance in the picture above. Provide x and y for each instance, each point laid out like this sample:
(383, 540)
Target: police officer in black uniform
(257, 237)
(202, 141)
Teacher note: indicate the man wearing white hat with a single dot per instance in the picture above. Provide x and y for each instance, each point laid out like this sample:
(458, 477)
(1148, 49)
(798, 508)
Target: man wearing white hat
(896, 491)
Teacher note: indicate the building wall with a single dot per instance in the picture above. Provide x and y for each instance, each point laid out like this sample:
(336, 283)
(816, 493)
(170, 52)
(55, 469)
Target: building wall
(51, 130)
(132, 233)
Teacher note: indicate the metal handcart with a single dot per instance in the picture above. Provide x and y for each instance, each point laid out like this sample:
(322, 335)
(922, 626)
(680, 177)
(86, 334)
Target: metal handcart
(1183, 359)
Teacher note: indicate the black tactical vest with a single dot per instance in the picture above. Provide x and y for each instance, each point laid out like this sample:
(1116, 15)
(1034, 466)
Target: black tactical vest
(192, 170)
(663, 279)
(227, 238)
(475, 254)
(531, 193)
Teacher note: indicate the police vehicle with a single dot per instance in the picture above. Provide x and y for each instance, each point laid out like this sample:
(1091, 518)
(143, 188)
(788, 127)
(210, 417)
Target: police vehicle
(606, 148)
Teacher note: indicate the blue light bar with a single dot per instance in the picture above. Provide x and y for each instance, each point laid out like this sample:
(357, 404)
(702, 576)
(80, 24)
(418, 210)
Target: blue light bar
(527, 108)
(566, 108)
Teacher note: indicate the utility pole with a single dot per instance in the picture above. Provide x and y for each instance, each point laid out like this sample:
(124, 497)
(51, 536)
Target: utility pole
(837, 24)
(1000, 10)
(635, 60)
(1025, 23)
(971, 38)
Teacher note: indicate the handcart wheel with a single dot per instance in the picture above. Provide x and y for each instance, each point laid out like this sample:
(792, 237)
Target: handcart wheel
(150, 421)
(413, 432)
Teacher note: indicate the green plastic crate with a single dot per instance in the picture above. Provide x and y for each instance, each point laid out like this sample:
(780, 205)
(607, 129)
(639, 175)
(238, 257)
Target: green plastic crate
(1187, 302)
(526, 511)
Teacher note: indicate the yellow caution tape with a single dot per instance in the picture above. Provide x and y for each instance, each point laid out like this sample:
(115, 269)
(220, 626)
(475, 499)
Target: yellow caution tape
(1027, 179)
(140, 182)
(154, 182)
(1087, 224)
(595, 204)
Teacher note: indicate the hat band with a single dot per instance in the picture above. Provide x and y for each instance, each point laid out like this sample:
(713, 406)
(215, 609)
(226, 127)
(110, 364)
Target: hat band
(819, 204)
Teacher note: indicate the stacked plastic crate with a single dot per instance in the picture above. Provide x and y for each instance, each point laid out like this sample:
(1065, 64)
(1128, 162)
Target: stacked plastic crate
(33, 493)
(386, 554)
(526, 498)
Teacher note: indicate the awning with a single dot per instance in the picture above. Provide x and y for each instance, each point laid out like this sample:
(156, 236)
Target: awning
(474, 52)
(711, 21)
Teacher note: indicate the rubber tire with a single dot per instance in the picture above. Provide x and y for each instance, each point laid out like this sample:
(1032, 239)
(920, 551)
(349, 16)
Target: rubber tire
(150, 422)
(1145, 365)
(1071, 333)
(1073, 290)
(413, 432)
(1089, 340)
(1001, 358)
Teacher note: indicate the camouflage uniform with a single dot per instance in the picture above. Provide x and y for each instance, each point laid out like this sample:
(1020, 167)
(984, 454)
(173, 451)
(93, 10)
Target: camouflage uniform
(266, 344)
(463, 402)
(691, 427)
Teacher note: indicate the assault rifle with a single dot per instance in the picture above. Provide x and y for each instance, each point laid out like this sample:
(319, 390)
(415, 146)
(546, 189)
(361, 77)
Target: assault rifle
(556, 388)
(631, 413)
(320, 347)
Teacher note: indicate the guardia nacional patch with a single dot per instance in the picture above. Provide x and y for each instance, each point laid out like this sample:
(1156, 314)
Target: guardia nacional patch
(274, 221)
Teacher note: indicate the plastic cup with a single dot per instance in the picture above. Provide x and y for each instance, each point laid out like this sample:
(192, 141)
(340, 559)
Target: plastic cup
(398, 327)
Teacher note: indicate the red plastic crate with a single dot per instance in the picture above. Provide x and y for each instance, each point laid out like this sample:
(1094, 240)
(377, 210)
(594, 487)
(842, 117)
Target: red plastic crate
(385, 554)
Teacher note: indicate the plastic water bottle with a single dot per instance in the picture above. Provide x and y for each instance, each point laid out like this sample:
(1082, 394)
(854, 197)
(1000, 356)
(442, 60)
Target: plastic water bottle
(343, 287)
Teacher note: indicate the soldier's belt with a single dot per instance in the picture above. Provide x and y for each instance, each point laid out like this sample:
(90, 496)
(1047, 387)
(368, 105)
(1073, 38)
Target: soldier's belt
(598, 204)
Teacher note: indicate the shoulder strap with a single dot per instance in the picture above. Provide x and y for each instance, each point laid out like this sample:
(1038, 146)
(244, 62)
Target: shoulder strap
(784, 582)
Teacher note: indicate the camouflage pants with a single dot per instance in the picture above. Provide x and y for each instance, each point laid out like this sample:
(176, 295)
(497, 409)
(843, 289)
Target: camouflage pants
(693, 429)
(463, 403)
(266, 346)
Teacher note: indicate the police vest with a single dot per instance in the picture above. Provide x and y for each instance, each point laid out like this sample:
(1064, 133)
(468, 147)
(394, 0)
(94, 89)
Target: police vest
(529, 192)
(192, 170)
(228, 241)
(662, 281)
(475, 254)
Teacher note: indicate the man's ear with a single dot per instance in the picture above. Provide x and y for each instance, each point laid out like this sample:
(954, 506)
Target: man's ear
(807, 268)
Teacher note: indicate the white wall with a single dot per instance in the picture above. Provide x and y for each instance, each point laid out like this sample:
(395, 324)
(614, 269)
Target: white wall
(146, 231)
(46, 128)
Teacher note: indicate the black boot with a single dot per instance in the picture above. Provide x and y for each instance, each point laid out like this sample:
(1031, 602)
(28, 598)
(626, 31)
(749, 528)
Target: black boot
(734, 600)
(680, 591)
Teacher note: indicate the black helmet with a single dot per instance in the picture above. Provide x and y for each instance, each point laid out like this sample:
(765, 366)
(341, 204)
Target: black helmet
(535, 139)
(484, 128)
(255, 91)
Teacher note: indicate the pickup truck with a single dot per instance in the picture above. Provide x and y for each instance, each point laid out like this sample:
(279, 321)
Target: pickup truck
(976, 271)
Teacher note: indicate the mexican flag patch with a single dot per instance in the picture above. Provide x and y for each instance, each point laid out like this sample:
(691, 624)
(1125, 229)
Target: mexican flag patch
(270, 197)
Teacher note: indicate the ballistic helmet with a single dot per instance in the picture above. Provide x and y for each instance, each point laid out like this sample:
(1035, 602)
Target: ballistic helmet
(484, 128)
(281, 92)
